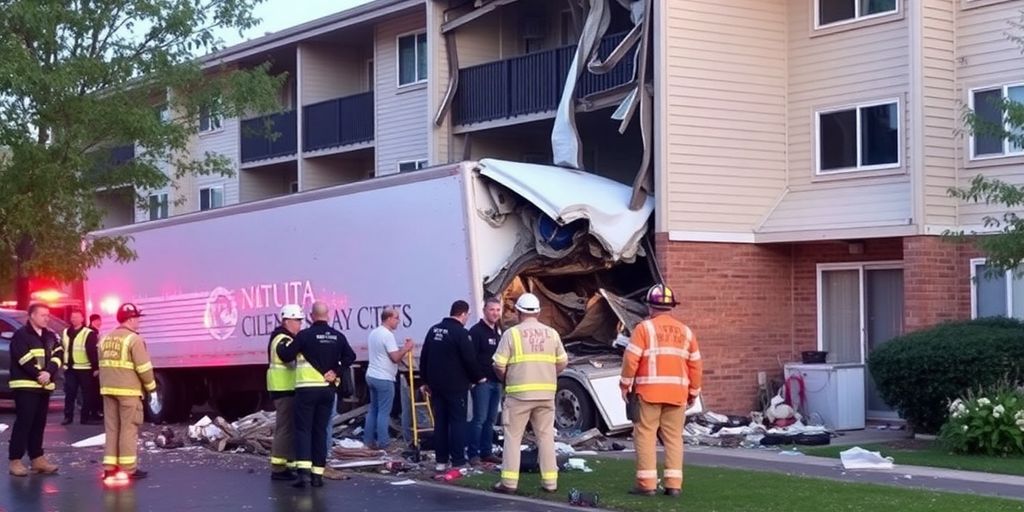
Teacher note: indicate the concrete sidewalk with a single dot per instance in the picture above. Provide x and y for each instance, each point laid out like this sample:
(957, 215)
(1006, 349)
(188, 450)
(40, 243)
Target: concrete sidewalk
(915, 477)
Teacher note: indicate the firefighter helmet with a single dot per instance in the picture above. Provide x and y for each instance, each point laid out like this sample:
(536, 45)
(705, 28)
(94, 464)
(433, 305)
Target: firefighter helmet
(528, 303)
(660, 296)
(291, 312)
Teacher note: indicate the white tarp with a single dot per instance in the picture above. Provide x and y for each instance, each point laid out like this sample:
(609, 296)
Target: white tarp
(567, 195)
(859, 458)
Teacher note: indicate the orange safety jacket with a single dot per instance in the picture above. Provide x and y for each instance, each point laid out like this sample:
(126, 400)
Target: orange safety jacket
(663, 362)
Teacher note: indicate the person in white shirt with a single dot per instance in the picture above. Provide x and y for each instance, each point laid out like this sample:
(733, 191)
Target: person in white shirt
(380, 378)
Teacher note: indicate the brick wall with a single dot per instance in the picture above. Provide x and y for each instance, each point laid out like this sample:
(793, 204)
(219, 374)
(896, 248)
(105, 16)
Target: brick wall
(754, 307)
(737, 300)
(936, 281)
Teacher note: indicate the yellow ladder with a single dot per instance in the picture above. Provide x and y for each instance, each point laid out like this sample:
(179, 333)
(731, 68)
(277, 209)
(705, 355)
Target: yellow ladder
(415, 416)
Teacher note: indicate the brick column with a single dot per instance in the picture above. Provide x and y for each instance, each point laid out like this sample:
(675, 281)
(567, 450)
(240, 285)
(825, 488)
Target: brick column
(936, 282)
(737, 298)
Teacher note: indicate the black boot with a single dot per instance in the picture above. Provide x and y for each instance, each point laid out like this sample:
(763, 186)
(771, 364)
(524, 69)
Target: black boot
(301, 479)
(138, 475)
(316, 481)
(283, 476)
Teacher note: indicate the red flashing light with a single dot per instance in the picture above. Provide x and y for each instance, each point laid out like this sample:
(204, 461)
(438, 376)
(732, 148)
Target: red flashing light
(109, 304)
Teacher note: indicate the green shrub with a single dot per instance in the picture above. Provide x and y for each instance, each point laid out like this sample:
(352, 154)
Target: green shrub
(920, 373)
(989, 422)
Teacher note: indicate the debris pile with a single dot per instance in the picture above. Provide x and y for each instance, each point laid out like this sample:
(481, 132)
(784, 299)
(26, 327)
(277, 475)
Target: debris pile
(251, 434)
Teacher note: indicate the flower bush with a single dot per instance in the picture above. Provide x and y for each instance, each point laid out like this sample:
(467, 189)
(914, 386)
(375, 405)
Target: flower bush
(989, 422)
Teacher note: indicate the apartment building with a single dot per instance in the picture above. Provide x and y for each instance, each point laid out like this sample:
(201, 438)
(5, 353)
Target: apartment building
(802, 148)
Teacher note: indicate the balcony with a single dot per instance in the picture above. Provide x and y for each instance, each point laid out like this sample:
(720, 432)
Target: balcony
(338, 122)
(530, 84)
(256, 145)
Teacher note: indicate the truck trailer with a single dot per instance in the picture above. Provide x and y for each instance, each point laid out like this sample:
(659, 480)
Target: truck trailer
(212, 283)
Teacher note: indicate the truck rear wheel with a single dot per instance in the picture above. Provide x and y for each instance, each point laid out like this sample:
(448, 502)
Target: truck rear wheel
(574, 410)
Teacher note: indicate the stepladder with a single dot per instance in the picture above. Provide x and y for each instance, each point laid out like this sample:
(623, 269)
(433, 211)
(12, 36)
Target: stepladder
(416, 405)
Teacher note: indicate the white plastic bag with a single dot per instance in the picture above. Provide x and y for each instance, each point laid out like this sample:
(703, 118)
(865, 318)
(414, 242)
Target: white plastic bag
(154, 403)
(859, 458)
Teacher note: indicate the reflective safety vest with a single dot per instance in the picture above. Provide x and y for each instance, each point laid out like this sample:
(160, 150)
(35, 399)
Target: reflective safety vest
(76, 349)
(125, 368)
(530, 353)
(39, 354)
(306, 376)
(280, 375)
(663, 362)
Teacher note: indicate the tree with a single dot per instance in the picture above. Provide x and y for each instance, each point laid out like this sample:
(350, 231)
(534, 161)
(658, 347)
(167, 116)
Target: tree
(80, 77)
(1004, 248)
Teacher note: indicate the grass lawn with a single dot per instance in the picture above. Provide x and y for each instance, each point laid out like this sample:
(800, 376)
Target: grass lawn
(931, 454)
(727, 490)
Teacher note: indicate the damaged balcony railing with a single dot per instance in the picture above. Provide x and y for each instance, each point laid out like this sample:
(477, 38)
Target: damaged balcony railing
(256, 145)
(530, 83)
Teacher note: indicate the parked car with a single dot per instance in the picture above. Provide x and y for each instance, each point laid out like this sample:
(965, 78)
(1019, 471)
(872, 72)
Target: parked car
(11, 320)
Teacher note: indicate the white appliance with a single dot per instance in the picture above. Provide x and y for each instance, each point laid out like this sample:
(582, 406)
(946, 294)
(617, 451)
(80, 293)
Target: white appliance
(834, 391)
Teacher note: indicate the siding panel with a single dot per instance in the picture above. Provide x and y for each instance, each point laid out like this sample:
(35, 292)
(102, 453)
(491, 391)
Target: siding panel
(986, 57)
(940, 111)
(726, 77)
(402, 117)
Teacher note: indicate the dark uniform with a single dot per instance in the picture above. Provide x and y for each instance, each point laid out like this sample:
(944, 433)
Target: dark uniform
(316, 351)
(32, 353)
(449, 368)
(81, 360)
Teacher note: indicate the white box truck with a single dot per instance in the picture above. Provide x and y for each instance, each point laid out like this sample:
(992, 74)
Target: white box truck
(212, 283)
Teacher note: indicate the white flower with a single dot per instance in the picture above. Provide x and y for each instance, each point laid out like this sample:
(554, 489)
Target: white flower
(965, 428)
(998, 411)
(1019, 416)
(984, 402)
(956, 405)
(1020, 422)
(961, 408)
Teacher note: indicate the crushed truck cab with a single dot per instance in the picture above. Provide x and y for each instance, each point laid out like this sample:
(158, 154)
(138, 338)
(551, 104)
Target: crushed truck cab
(212, 283)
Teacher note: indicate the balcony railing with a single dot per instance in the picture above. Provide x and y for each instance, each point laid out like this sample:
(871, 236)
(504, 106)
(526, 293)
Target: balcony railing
(337, 122)
(530, 83)
(256, 145)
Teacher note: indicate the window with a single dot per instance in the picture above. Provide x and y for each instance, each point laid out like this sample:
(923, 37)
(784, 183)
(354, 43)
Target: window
(369, 75)
(293, 187)
(157, 206)
(411, 165)
(209, 117)
(211, 197)
(864, 137)
(412, 59)
(163, 112)
(1000, 294)
(988, 107)
(830, 12)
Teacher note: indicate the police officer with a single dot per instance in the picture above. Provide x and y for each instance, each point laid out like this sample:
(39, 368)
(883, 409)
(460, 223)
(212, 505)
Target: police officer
(320, 353)
(36, 355)
(529, 358)
(80, 362)
(126, 374)
(281, 385)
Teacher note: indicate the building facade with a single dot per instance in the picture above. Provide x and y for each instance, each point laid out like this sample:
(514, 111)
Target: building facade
(803, 149)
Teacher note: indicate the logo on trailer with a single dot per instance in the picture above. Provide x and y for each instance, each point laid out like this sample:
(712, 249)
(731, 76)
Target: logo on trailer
(221, 315)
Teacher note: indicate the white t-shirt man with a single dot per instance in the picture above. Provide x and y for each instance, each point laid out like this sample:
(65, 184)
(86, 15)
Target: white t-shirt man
(381, 342)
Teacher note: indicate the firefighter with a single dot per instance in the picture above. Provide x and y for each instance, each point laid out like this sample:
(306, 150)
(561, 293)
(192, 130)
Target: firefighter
(36, 355)
(528, 359)
(662, 365)
(281, 385)
(80, 362)
(320, 353)
(126, 375)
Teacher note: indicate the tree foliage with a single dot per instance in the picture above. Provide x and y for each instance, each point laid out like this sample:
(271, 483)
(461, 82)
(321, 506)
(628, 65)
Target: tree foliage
(80, 77)
(1004, 247)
